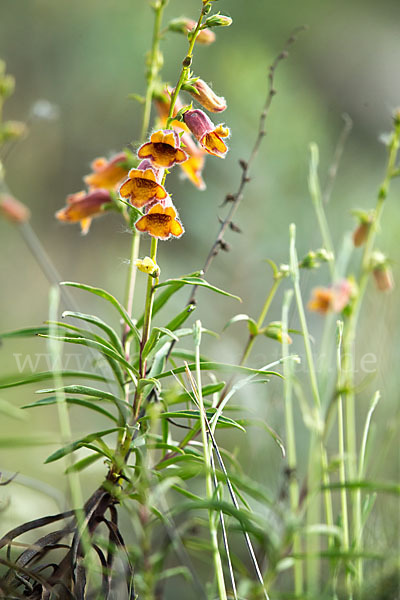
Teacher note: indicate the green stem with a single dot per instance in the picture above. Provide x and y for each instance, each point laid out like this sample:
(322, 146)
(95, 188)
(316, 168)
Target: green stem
(154, 68)
(320, 462)
(219, 572)
(148, 310)
(316, 196)
(185, 69)
(291, 441)
(350, 334)
(252, 338)
(342, 464)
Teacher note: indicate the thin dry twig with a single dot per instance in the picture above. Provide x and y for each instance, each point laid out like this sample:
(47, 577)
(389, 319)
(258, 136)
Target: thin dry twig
(236, 198)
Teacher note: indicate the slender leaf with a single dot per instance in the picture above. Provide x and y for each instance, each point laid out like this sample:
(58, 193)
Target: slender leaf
(27, 332)
(114, 339)
(96, 346)
(61, 452)
(198, 281)
(215, 366)
(181, 317)
(123, 407)
(82, 464)
(107, 296)
(13, 381)
(78, 401)
(252, 325)
(195, 414)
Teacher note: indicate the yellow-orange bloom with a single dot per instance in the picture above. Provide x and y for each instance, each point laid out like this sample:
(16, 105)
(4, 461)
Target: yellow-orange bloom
(163, 149)
(160, 222)
(209, 136)
(13, 210)
(331, 299)
(142, 187)
(82, 207)
(107, 174)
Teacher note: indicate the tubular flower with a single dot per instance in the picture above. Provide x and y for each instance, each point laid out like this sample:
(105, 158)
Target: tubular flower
(331, 299)
(160, 222)
(163, 149)
(82, 207)
(107, 173)
(207, 98)
(209, 136)
(13, 210)
(142, 187)
(193, 167)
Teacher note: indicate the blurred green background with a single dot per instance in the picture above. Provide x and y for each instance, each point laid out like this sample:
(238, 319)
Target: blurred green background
(85, 58)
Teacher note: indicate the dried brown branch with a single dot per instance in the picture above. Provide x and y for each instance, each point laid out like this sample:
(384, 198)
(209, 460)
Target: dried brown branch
(236, 198)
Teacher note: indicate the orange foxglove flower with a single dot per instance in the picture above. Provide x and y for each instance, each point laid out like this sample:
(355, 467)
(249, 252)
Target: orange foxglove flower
(193, 167)
(163, 149)
(13, 210)
(82, 207)
(160, 222)
(204, 130)
(207, 98)
(142, 187)
(331, 299)
(107, 173)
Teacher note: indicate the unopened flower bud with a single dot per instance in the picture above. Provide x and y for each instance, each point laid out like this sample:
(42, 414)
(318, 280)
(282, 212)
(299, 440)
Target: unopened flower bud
(218, 21)
(360, 234)
(396, 117)
(7, 86)
(147, 265)
(382, 272)
(186, 26)
(384, 279)
(324, 255)
(207, 98)
(11, 130)
(274, 331)
(13, 210)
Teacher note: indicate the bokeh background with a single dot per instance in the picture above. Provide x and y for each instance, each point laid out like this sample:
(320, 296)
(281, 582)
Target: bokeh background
(85, 58)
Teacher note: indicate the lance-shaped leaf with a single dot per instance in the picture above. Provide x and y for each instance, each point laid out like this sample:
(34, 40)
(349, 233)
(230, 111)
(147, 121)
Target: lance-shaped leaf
(78, 401)
(198, 281)
(252, 325)
(16, 380)
(162, 298)
(195, 414)
(113, 337)
(107, 296)
(82, 442)
(215, 366)
(96, 346)
(123, 407)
